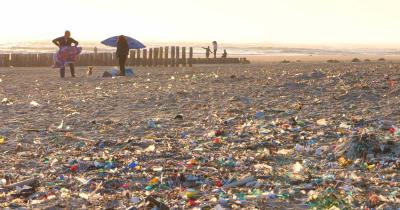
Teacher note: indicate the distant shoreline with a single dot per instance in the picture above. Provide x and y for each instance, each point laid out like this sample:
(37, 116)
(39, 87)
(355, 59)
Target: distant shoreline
(320, 58)
(236, 50)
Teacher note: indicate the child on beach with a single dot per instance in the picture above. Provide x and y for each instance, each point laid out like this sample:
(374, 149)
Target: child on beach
(225, 54)
(208, 51)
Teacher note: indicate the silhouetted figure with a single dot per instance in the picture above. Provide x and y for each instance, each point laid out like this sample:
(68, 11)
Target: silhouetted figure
(208, 51)
(225, 54)
(215, 46)
(95, 55)
(122, 53)
(66, 41)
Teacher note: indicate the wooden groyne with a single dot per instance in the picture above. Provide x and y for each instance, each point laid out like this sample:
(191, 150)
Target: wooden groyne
(160, 56)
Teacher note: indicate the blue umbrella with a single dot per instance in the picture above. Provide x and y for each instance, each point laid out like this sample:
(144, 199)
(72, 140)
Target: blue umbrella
(132, 43)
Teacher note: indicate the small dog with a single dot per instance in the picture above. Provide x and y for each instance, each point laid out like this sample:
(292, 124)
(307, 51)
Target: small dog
(90, 71)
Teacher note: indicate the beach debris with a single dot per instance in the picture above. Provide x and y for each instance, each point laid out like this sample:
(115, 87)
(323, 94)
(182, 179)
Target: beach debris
(297, 167)
(34, 104)
(178, 117)
(20, 185)
(7, 101)
(3, 182)
(152, 124)
(63, 126)
(204, 142)
(260, 115)
(322, 122)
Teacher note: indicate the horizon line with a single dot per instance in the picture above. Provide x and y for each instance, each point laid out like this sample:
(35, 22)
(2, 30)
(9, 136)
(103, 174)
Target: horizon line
(241, 44)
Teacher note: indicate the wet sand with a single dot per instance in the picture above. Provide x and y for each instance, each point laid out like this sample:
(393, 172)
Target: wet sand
(319, 58)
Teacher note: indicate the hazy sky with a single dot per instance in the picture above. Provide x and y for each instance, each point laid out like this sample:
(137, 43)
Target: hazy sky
(246, 21)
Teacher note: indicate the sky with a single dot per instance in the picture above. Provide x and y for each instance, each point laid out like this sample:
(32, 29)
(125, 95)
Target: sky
(369, 22)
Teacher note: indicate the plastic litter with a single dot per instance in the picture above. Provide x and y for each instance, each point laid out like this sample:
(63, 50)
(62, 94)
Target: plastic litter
(164, 140)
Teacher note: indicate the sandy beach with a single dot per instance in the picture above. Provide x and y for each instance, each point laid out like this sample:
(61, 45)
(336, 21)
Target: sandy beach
(207, 125)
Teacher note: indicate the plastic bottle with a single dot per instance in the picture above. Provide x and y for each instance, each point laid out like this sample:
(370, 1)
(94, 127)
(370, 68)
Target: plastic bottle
(74, 168)
(260, 115)
(133, 165)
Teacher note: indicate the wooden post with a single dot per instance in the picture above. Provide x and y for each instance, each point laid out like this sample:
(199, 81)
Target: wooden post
(7, 62)
(108, 59)
(90, 59)
(50, 59)
(150, 60)
(24, 59)
(138, 60)
(161, 53)
(31, 60)
(153, 60)
(12, 60)
(156, 52)
(98, 59)
(132, 57)
(166, 56)
(177, 56)
(94, 57)
(40, 59)
(18, 60)
(82, 60)
(104, 59)
(183, 56)
(172, 56)
(144, 63)
(3, 60)
(114, 59)
(87, 59)
(34, 59)
(190, 56)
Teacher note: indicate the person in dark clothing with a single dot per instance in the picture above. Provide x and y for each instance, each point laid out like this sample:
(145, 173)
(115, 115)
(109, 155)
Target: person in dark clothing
(215, 46)
(122, 53)
(208, 51)
(66, 41)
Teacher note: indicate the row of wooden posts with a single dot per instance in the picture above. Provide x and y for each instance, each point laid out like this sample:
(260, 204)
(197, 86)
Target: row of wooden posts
(161, 56)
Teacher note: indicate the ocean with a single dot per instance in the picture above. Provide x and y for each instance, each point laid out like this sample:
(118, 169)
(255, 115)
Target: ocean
(232, 49)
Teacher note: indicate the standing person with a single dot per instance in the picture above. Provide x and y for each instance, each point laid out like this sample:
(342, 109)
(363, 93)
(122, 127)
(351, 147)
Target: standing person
(208, 51)
(66, 41)
(225, 54)
(122, 53)
(215, 46)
